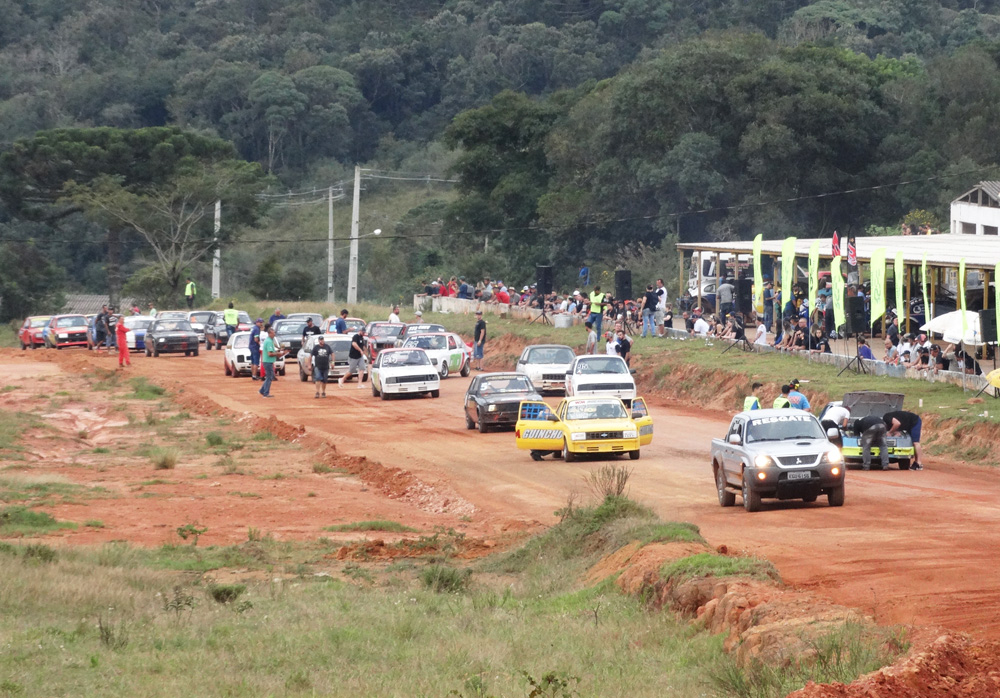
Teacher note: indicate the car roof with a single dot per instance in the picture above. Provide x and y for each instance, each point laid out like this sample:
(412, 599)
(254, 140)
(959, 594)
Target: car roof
(775, 412)
(382, 322)
(393, 349)
(549, 346)
(504, 374)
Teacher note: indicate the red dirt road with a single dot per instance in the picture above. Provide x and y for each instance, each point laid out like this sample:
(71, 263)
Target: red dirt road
(910, 547)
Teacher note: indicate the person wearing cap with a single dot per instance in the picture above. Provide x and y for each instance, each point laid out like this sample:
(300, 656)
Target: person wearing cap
(310, 328)
(418, 316)
(701, 327)
(597, 308)
(318, 364)
(152, 310)
(356, 359)
(798, 400)
(255, 347)
(340, 324)
(478, 340)
(768, 303)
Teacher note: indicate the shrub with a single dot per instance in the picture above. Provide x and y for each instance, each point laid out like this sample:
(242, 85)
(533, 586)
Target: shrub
(608, 481)
(214, 438)
(164, 458)
(445, 580)
(226, 593)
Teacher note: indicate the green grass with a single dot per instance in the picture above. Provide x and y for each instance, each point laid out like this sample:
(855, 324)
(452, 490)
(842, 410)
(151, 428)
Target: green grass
(712, 565)
(378, 525)
(12, 427)
(44, 490)
(142, 389)
(22, 521)
(164, 458)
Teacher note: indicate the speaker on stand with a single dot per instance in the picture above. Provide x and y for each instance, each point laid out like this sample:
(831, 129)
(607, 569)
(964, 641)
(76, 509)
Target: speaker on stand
(856, 319)
(744, 296)
(543, 279)
(623, 284)
(988, 331)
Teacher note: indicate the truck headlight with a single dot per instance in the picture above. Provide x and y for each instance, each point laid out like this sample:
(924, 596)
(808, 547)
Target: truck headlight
(630, 434)
(491, 408)
(578, 436)
(763, 461)
(161, 340)
(63, 335)
(833, 455)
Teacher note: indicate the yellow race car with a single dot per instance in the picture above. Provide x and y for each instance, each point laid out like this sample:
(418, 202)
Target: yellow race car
(582, 425)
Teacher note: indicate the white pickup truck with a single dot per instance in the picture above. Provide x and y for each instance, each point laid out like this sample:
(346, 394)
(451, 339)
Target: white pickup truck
(779, 454)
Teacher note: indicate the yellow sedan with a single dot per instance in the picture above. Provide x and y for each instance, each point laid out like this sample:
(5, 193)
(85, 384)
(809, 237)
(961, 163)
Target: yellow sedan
(583, 425)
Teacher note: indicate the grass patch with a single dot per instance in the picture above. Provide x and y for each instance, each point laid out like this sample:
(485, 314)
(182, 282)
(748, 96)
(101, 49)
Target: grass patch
(712, 565)
(378, 525)
(265, 435)
(44, 489)
(142, 389)
(445, 580)
(214, 438)
(22, 521)
(101, 449)
(12, 426)
(164, 458)
(93, 523)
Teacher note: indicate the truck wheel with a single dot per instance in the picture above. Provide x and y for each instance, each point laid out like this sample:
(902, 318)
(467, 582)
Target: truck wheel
(751, 498)
(836, 496)
(634, 455)
(727, 498)
(904, 464)
(195, 352)
(568, 455)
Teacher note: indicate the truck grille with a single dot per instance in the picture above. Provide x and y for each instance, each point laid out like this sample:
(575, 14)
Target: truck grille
(599, 435)
(606, 386)
(416, 379)
(553, 376)
(808, 459)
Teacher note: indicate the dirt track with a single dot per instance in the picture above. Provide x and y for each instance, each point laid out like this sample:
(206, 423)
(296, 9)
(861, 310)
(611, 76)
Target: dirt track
(910, 547)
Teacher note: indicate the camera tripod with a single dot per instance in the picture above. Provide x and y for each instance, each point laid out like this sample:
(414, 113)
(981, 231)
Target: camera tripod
(856, 361)
(544, 317)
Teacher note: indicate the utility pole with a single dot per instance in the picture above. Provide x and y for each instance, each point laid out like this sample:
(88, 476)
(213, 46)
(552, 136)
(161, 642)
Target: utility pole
(329, 251)
(352, 274)
(217, 259)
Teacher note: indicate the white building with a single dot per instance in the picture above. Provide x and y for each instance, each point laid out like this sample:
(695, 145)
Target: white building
(977, 212)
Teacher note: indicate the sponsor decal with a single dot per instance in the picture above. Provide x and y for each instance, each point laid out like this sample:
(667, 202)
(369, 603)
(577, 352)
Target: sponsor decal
(541, 434)
(788, 418)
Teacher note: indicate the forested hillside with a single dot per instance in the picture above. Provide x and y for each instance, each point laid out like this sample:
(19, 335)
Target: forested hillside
(581, 128)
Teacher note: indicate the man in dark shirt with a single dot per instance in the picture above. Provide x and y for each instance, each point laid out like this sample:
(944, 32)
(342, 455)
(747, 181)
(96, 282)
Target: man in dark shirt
(100, 328)
(275, 316)
(356, 359)
(319, 357)
(972, 368)
(309, 329)
(871, 432)
(624, 347)
(900, 422)
(650, 299)
(478, 340)
(340, 324)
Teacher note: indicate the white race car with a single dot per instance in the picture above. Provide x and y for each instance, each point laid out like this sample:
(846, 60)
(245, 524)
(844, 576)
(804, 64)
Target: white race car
(601, 375)
(447, 351)
(399, 371)
(236, 358)
(546, 365)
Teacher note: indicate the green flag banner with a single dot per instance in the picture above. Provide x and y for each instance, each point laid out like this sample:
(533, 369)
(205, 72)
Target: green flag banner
(787, 271)
(961, 295)
(758, 277)
(877, 277)
(899, 279)
(813, 274)
(928, 315)
(838, 293)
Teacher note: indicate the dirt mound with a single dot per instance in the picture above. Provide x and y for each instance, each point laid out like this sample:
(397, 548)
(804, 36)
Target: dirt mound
(950, 667)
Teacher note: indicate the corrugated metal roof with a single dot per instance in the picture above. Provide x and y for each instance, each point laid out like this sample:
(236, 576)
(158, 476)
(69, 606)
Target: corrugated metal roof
(979, 251)
(991, 188)
(89, 303)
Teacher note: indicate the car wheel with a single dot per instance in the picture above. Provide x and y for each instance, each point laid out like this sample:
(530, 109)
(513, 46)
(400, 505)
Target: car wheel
(751, 498)
(904, 464)
(444, 369)
(195, 352)
(59, 346)
(466, 370)
(567, 454)
(208, 345)
(282, 372)
(435, 393)
(302, 375)
(727, 497)
(375, 392)
(23, 346)
(187, 353)
(225, 365)
(482, 425)
(634, 455)
(836, 496)
(147, 352)
(536, 455)
(156, 353)
(469, 424)
(384, 395)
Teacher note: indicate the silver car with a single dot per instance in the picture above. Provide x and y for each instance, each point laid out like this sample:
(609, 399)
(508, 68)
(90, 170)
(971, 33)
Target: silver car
(339, 343)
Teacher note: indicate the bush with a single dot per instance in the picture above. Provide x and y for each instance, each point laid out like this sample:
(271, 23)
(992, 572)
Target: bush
(214, 438)
(608, 481)
(164, 458)
(445, 580)
(226, 593)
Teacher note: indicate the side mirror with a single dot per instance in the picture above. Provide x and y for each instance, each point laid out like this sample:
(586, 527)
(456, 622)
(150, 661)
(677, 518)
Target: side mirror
(833, 433)
(632, 371)
(636, 414)
(552, 418)
(735, 439)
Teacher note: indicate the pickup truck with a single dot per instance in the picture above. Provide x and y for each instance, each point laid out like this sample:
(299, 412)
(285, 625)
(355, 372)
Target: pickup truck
(779, 454)
(866, 403)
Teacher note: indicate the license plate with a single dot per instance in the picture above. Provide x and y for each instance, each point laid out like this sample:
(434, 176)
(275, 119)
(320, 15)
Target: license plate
(890, 442)
(799, 475)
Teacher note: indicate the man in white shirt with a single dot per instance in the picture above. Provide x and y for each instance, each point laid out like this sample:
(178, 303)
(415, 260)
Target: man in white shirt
(761, 338)
(394, 315)
(701, 327)
(905, 345)
(661, 308)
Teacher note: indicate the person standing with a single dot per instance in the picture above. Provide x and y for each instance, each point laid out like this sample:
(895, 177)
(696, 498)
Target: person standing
(659, 315)
(768, 304)
(394, 314)
(123, 354)
(110, 323)
(319, 359)
(340, 325)
(871, 431)
(782, 401)
(255, 347)
(798, 400)
(479, 340)
(591, 338)
(752, 401)
(356, 359)
(152, 310)
(726, 294)
(232, 319)
(900, 422)
(190, 291)
(624, 348)
(275, 316)
(270, 352)
(310, 329)
(648, 307)
(597, 308)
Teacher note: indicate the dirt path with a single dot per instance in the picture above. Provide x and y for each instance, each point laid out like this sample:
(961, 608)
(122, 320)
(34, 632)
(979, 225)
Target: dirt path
(911, 547)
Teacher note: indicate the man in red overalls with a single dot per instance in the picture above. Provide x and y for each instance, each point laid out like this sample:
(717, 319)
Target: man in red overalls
(123, 356)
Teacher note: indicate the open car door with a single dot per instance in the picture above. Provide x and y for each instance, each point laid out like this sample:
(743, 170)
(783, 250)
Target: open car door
(643, 420)
(535, 431)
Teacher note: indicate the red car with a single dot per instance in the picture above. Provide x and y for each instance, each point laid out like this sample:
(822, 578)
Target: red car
(66, 331)
(30, 333)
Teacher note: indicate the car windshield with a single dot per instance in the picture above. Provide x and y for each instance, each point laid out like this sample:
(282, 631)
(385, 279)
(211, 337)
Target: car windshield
(71, 321)
(595, 409)
(243, 317)
(506, 384)
(550, 355)
(39, 321)
(785, 427)
(172, 315)
(354, 325)
(137, 322)
(386, 330)
(427, 342)
(201, 317)
(405, 358)
(290, 327)
(418, 327)
(601, 364)
(172, 326)
(241, 341)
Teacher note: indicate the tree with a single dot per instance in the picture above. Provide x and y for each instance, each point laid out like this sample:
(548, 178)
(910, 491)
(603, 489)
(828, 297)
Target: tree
(30, 283)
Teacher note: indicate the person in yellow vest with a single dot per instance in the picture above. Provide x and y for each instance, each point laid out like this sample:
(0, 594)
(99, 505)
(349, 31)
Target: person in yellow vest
(597, 309)
(751, 401)
(190, 291)
(232, 319)
(782, 400)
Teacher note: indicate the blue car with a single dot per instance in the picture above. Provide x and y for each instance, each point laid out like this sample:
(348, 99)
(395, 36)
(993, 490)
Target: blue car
(137, 325)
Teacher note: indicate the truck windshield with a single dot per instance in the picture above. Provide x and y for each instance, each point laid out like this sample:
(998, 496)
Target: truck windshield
(785, 427)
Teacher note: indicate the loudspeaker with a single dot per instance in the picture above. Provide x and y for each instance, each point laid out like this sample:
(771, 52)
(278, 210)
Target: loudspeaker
(856, 320)
(543, 279)
(744, 296)
(623, 284)
(988, 325)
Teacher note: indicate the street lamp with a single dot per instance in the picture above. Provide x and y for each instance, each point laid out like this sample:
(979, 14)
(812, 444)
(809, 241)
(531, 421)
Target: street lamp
(352, 272)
